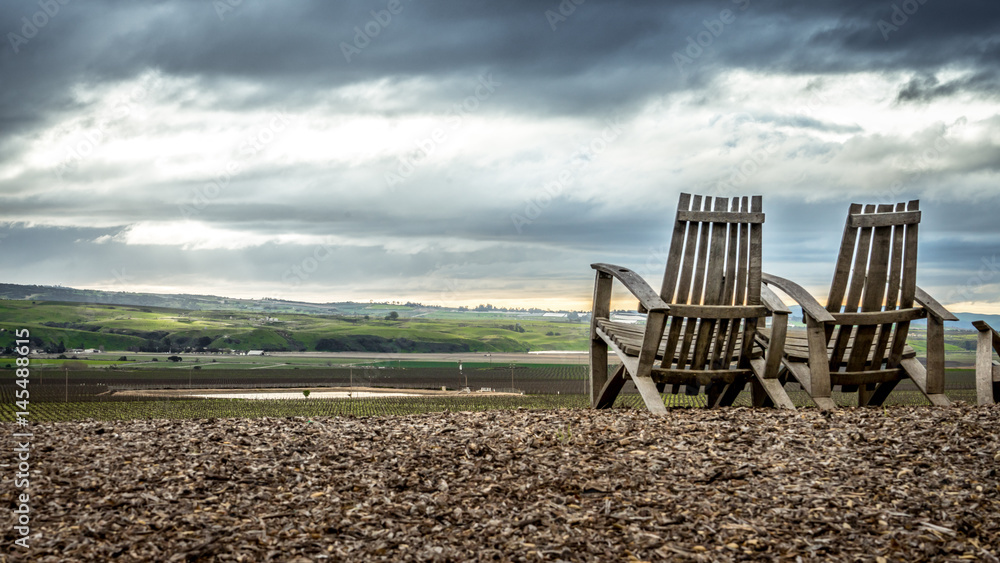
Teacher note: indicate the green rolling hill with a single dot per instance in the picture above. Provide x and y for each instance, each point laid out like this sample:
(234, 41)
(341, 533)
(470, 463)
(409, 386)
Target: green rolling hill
(58, 325)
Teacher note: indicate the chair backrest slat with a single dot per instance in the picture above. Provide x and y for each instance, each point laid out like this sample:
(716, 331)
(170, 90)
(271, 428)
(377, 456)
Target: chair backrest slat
(685, 263)
(753, 277)
(907, 284)
(892, 291)
(714, 259)
(701, 262)
(874, 286)
(743, 262)
(729, 288)
(715, 270)
(714, 273)
(876, 271)
(860, 271)
(669, 287)
(722, 351)
(845, 333)
(842, 271)
(694, 267)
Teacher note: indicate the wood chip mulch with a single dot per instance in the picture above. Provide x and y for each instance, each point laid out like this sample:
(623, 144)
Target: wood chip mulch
(898, 484)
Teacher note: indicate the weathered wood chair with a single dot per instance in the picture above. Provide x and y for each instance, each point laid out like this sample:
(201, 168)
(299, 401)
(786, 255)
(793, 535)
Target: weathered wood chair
(865, 350)
(987, 369)
(712, 299)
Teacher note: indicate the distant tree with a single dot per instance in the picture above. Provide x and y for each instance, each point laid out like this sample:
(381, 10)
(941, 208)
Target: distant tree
(367, 317)
(392, 316)
(123, 359)
(174, 358)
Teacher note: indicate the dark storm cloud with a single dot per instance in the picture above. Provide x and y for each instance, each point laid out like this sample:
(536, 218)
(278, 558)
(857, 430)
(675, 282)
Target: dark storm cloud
(296, 50)
(554, 59)
(928, 87)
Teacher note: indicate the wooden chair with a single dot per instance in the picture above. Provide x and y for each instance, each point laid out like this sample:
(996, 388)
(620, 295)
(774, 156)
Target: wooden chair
(859, 340)
(712, 300)
(987, 369)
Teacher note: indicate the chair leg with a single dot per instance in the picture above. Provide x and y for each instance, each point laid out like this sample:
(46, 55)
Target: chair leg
(732, 391)
(918, 374)
(650, 396)
(770, 386)
(714, 392)
(825, 403)
(605, 398)
(758, 396)
(819, 363)
(801, 373)
(598, 368)
(986, 390)
(882, 393)
(865, 394)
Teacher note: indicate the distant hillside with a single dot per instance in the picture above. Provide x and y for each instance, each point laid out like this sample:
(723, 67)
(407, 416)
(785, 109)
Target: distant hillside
(216, 303)
(964, 321)
(178, 301)
(58, 327)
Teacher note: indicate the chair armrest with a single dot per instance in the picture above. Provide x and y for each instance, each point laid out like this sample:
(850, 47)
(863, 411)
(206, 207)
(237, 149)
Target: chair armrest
(981, 326)
(808, 303)
(772, 301)
(932, 306)
(649, 299)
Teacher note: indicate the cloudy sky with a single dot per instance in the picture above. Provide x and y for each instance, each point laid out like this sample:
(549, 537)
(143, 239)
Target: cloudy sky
(467, 152)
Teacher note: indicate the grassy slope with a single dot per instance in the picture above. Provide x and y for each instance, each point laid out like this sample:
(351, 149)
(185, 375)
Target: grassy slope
(120, 327)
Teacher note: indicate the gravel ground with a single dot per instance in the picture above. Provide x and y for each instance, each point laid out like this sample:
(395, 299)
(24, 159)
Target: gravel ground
(903, 483)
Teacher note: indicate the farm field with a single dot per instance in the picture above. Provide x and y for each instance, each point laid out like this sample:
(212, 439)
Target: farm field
(67, 326)
(63, 327)
(109, 394)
